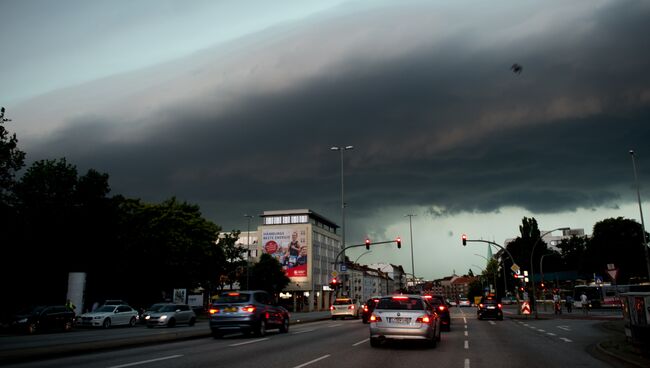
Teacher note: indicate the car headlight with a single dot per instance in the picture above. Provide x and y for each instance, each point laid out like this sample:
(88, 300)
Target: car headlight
(22, 320)
(147, 316)
(163, 317)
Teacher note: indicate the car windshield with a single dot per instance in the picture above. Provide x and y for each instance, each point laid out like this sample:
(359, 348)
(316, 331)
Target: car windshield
(105, 308)
(155, 307)
(342, 301)
(233, 298)
(400, 303)
(168, 308)
(489, 301)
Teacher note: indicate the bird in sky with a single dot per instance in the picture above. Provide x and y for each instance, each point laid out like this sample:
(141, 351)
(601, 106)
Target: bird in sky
(516, 68)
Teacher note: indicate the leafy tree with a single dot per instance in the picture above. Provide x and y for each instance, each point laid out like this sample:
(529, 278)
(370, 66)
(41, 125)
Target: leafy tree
(618, 241)
(470, 273)
(267, 274)
(12, 160)
(475, 288)
(235, 265)
(572, 253)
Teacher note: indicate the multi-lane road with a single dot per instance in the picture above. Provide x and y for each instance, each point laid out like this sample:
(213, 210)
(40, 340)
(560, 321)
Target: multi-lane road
(343, 344)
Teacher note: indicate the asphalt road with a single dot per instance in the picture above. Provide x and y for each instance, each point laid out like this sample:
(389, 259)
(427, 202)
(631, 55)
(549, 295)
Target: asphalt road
(344, 344)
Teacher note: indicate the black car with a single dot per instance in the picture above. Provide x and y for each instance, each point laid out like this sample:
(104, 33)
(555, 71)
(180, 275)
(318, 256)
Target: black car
(247, 311)
(367, 308)
(442, 308)
(44, 318)
(489, 307)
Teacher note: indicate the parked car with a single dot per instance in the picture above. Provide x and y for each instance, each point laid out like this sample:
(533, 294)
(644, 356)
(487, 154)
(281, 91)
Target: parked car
(109, 315)
(43, 318)
(404, 317)
(344, 307)
(153, 308)
(367, 308)
(170, 315)
(248, 311)
(442, 308)
(489, 307)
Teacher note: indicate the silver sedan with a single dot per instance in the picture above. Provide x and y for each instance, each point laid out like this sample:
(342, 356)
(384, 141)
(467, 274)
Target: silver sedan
(404, 317)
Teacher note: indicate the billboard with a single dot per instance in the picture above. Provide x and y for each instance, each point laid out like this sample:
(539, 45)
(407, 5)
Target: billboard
(290, 246)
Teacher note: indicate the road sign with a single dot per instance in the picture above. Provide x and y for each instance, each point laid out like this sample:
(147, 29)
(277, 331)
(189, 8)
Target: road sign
(598, 279)
(344, 267)
(334, 273)
(613, 273)
(525, 308)
(514, 268)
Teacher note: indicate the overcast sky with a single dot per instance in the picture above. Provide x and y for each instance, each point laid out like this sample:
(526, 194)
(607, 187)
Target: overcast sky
(234, 105)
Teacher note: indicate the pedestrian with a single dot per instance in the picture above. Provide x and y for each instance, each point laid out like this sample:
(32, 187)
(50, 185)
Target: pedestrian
(584, 301)
(70, 305)
(557, 303)
(569, 303)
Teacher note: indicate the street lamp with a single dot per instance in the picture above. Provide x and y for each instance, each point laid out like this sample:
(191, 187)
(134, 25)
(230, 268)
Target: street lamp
(494, 275)
(341, 149)
(248, 248)
(362, 254)
(638, 196)
(482, 276)
(532, 273)
(411, 231)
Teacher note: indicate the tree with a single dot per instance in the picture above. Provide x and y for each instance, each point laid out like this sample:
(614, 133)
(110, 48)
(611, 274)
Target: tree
(235, 265)
(267, 274)
(12, 160)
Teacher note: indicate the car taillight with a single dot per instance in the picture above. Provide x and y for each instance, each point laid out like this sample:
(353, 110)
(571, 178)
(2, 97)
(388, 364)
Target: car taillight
(248, 308)
(499, 305)
(375, 318)
(480, 305)
(212, 311)
(442, 308)
(365, 308)
(424, 319)
(331, 307)
(351, 307)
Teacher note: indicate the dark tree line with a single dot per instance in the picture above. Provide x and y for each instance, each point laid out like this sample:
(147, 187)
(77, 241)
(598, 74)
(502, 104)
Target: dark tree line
(56, 221)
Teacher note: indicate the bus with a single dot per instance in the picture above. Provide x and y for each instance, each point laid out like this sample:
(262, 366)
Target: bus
(604, 295)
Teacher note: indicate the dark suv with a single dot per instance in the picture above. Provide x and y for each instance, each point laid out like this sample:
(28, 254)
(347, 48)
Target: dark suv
(247, 311)
(44, 318)
(442, 308)
(489, 307)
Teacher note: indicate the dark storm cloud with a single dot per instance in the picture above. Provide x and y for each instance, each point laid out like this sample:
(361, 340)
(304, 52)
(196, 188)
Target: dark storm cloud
(446, 126)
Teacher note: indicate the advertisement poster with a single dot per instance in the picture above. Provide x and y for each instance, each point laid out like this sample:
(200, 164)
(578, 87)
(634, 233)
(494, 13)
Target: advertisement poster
(289, 247)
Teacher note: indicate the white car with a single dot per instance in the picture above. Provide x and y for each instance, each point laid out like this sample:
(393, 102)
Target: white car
(109, 315)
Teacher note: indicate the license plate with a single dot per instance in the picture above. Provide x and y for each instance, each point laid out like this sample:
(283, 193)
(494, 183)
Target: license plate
(490, 307)
(400, 320)
(230, 309)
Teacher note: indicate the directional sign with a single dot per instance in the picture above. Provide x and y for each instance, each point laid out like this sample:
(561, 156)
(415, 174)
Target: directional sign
(334, 273)
(525, 308)
(514, 268)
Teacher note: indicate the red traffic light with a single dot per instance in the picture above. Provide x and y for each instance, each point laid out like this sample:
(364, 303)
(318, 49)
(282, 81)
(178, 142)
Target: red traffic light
(399, 242)
(367, 243)
(464, 237)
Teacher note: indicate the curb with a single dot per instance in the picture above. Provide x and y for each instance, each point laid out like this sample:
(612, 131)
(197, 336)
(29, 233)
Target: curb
(601, 349)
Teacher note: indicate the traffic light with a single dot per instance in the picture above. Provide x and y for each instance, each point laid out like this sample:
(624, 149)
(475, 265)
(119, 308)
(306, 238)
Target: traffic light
(367, 243)
(399, 242)
(464, 237)
(334, 284)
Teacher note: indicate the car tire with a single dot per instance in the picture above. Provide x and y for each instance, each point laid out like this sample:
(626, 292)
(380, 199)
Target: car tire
(434, 342)
(67, 326)
(171, 323)
(106, 323)
(261, 329)
(500, 318)
(149, 326)
(216, 334)
(192, 321)
(133, 322)
(32, 328)
(284, 328)
(374, 342)
(333, 318)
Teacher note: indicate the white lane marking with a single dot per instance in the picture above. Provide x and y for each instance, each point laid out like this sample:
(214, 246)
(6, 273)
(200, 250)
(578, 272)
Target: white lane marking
(465, 333)
(466, 363)
(565, 328)
(464, 320)
(146, 361)
(249, 342)
(336, 325)
(466, 344)
(551, 334)
(565, 339)
(540, 330)
(492, 323)
(360, 342)
(466, 327)
(312, 361)
(303, 331)
(526, 324)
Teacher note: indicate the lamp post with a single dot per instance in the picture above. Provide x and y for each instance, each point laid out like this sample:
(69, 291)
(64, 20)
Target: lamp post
(494, 275)
(248, 249)
(532, 273)
(341, 149)
(482, 276)
(411, 232)
(638, 196)
(362, 254)
(541, 272)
